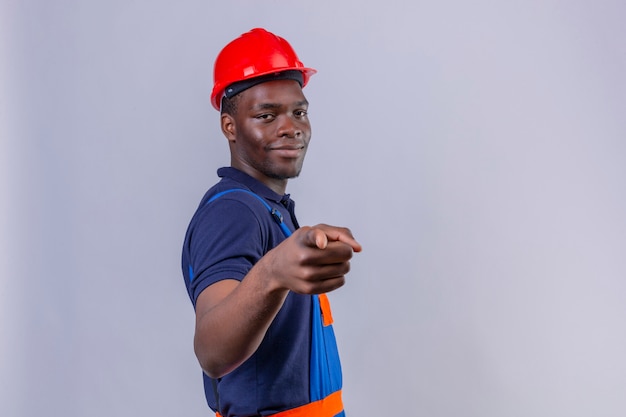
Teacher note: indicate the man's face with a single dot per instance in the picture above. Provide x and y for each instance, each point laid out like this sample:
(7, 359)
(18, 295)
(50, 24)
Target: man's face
(270, 131)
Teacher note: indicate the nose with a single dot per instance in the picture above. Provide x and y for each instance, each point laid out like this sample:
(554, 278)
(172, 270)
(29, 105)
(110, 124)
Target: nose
(289, 127)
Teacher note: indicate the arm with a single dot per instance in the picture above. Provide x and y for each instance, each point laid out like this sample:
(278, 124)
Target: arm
(232, 317)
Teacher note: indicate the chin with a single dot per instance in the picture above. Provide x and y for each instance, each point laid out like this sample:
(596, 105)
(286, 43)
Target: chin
(284, 176)
(286, 173)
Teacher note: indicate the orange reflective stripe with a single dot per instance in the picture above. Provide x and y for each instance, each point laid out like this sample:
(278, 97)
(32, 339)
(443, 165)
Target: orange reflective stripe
(326, 407)
(327, 315)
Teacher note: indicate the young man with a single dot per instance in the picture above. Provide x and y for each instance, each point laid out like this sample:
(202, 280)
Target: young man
(257, 280)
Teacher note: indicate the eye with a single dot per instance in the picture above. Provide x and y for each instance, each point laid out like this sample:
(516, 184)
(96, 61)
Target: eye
(267, 117)
(300, 113)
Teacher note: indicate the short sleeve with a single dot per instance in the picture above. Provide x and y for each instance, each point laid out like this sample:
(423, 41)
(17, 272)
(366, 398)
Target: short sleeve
(225, 239)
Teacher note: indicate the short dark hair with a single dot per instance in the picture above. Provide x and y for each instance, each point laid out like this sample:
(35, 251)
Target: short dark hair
(230, 105)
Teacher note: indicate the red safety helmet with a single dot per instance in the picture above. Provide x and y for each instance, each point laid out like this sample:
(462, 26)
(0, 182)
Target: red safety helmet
(251, 55)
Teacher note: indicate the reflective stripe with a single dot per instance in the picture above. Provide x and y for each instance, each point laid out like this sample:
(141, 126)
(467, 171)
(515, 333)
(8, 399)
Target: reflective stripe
(327, 315)
(326, 407)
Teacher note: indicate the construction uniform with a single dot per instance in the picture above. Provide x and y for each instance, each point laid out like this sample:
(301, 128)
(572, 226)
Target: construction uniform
(295, 371)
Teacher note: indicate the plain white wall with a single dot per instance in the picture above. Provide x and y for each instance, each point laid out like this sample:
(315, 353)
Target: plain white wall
(476, 149)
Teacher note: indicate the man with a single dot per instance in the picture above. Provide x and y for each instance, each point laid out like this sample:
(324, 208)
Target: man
(257, 280)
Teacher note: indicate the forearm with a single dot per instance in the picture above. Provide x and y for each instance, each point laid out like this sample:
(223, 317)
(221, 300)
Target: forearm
(230, 331)
(232, 318)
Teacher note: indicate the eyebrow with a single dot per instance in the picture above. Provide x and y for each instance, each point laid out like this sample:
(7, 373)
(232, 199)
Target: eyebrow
(270, 106)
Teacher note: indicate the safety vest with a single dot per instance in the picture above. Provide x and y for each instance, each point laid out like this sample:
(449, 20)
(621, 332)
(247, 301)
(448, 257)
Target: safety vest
(325, 369)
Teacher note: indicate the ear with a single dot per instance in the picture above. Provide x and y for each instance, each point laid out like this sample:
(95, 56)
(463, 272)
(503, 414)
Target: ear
(228, 127)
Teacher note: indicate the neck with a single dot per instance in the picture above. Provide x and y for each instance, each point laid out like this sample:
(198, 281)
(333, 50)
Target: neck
(278, 185)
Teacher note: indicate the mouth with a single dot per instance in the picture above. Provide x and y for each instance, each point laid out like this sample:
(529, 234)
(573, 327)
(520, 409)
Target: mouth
(289, 151)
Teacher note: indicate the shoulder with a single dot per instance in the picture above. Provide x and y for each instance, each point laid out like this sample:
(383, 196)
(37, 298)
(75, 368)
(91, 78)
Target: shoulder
(232, 215)
(236, 203)
(236, 211)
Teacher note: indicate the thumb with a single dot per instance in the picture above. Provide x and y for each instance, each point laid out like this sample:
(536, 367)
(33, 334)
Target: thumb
(316, 238)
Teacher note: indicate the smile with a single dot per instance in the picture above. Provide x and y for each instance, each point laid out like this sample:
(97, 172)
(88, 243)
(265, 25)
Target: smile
(288, 148)
(289, 151)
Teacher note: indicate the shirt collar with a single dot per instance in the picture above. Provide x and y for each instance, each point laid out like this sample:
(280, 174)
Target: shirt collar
(251, 183)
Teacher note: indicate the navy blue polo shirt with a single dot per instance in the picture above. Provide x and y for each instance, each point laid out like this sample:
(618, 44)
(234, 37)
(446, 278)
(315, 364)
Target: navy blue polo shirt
(225, 238)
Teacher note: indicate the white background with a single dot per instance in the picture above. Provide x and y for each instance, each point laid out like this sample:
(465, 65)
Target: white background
(476, 149)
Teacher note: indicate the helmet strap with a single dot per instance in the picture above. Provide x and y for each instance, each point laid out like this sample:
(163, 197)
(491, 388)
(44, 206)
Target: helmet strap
(236, 88)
